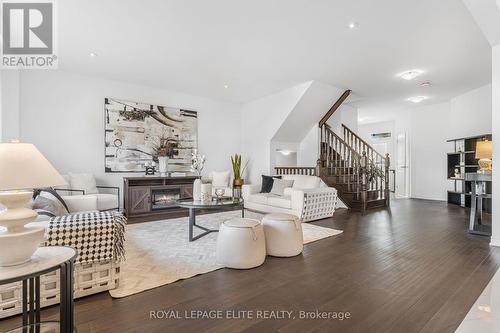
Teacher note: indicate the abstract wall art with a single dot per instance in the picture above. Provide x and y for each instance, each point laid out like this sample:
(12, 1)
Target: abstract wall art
(136, 132)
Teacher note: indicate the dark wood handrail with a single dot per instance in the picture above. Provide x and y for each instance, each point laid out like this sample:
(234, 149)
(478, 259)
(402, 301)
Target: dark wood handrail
(334, 108)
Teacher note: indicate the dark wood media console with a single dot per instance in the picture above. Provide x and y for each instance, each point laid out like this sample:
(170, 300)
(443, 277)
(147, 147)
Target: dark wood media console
(153, 197)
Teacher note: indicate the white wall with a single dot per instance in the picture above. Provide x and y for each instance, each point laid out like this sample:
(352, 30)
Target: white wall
(63, 115)
(346, 114)
(428, 128)
(471, 113)
(495, 237)
(10, 105)
(308, 153)
(428, 151)
(286, 160)
(260, 120)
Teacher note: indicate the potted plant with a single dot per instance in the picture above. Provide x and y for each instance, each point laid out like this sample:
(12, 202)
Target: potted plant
(164, 151)
(374, 172)
(237, 170)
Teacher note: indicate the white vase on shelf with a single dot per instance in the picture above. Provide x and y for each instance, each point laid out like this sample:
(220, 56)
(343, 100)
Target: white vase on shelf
(163, 164)
(197, 189)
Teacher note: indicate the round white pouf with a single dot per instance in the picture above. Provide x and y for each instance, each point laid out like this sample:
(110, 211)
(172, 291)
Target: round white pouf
(241, 243)
(284, 236)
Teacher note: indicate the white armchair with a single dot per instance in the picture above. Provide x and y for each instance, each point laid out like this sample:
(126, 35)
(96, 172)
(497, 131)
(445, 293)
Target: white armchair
(83, 193)
(309, 199)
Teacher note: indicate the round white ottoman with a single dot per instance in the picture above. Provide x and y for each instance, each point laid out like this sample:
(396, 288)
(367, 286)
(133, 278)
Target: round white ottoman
(284, 236)
(241, 243)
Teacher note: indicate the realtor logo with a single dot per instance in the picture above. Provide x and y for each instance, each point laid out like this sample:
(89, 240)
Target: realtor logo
(28, 33)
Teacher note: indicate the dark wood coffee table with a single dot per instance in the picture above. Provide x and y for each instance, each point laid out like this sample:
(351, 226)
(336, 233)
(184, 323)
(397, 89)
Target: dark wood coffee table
(222, 204)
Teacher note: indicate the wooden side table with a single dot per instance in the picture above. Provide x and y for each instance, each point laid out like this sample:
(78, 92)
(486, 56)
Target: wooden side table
(44, 260)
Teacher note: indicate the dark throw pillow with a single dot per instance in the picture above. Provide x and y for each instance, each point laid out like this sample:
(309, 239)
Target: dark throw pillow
(267, 183)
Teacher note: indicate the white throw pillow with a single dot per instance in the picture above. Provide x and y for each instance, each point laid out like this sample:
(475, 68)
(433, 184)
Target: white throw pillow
(220, 179)
(279, 186)
(304, 182)
(83, 181)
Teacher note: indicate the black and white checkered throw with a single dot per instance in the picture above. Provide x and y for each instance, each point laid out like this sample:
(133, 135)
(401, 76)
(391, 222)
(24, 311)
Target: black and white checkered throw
(96, 236)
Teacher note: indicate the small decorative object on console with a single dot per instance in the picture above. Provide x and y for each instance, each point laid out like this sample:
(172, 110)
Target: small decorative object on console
(206, 192)
(197, 164)
(150, 168)
(219, 192)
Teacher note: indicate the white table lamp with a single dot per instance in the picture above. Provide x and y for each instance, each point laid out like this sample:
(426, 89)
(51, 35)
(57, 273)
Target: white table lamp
(484, 153)
(22, 168)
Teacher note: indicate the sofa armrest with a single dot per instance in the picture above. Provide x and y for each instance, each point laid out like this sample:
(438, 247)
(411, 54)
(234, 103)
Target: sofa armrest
(299, 195)
(80, 203)
(248, 189)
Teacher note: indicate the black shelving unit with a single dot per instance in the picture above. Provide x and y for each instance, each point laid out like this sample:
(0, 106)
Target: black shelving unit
(463, 158)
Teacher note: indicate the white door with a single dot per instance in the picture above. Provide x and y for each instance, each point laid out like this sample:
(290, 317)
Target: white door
(402, 165)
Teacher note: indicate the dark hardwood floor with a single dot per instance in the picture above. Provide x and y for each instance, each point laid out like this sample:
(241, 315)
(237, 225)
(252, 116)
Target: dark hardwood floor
(411, 269)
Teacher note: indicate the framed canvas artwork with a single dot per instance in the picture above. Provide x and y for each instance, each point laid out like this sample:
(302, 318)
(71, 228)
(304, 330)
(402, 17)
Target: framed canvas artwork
(135, 134)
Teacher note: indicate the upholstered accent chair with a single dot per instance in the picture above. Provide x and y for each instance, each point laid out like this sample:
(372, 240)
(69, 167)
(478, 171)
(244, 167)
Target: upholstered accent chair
(83, 194)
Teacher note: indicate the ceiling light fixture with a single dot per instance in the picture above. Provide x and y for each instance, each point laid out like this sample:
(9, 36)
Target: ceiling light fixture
(93, 54)
(425, 84)
(410, 75)
(226, 86)
(417, 99)
(352, 25)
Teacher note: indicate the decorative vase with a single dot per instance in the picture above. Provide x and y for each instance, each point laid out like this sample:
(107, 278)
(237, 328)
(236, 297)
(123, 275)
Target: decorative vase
(197, 189)
(206, 192)
(238, 182)
(163, 164)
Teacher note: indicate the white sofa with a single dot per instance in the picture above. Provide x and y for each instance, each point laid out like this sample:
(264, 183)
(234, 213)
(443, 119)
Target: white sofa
(309, 198)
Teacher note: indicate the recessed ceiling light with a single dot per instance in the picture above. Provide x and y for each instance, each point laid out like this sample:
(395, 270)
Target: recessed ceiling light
(425, 84)
(226, 86)
(410, 75)
(93, 54)
(417, 99)
(352, 25)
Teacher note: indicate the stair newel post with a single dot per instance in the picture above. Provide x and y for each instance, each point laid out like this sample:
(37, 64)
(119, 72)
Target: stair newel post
(364, 181)
(386, 172)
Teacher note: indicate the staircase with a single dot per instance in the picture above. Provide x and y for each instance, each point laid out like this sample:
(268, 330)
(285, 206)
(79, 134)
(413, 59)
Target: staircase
(358, 172)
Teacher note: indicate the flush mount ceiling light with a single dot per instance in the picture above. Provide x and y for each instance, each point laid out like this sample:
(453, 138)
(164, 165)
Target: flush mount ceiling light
(425, 84)
(410, 75)
(226, 86)
(417, 99)
(93, 54)
(352, 25)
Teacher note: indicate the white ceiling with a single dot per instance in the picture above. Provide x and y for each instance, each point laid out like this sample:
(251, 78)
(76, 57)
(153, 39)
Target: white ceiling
(259, 47)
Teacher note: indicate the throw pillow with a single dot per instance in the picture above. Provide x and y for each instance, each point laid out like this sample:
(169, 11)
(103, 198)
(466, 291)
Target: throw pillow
(83, 181)
(267, 183)
(279, 186)
(220, 179)
(46, 201)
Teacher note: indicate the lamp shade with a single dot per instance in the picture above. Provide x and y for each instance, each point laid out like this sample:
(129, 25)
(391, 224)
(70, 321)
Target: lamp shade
(22, 166)
(484, 149)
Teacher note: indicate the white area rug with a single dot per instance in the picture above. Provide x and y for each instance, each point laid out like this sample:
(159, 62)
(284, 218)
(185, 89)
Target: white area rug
(159, 253)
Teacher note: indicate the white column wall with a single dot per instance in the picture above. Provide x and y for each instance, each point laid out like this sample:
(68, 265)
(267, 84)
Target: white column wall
(495, 237)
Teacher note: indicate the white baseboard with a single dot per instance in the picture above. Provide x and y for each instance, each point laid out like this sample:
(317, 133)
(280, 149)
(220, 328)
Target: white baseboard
(495, 242)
